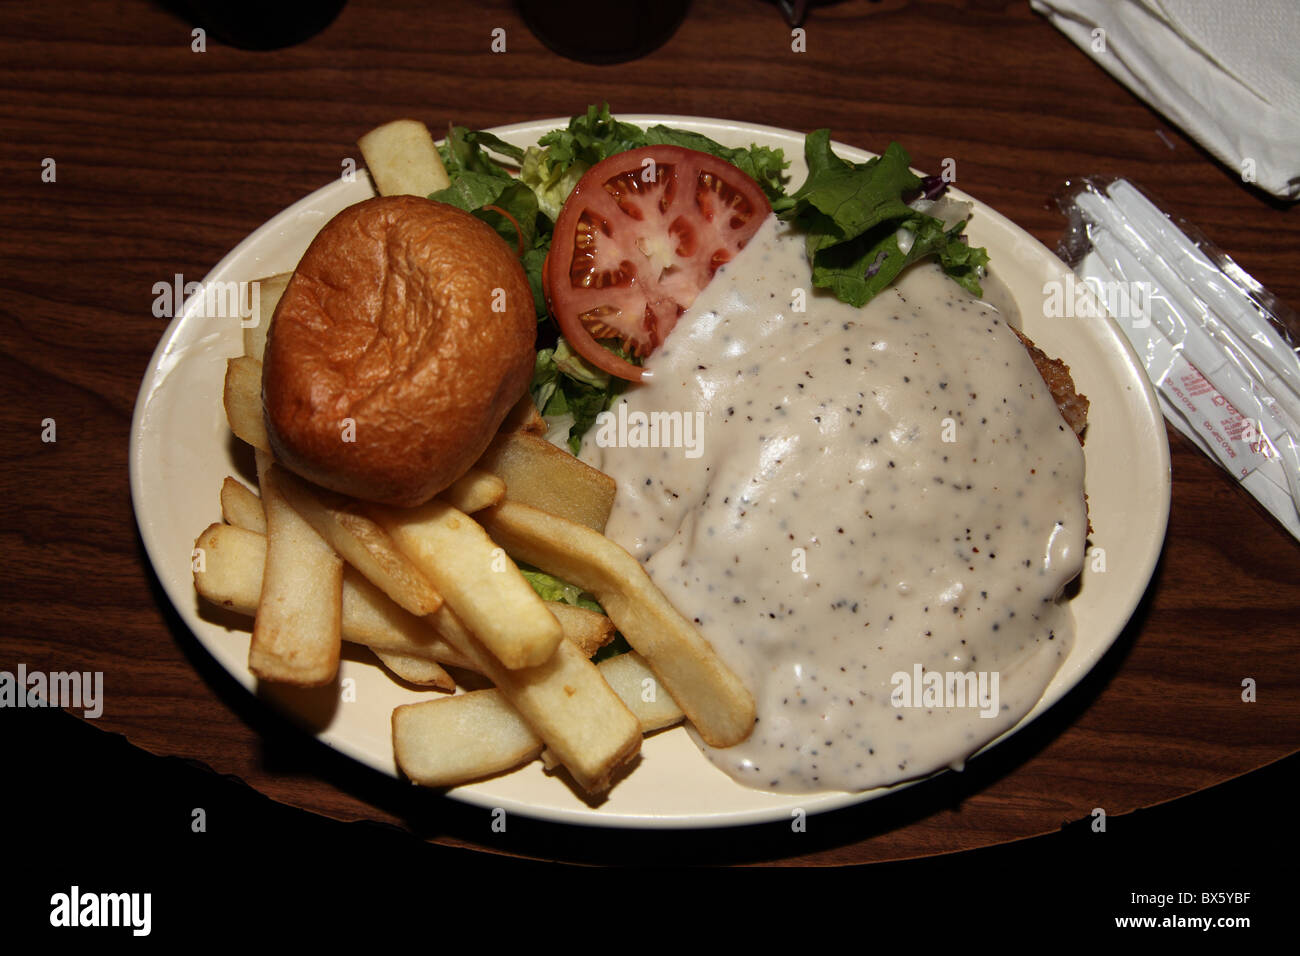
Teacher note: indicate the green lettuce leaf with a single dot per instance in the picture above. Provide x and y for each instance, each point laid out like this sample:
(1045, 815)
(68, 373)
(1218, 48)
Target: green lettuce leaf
(851, 214)
(551, 588)
(764, 165)
(550, 182)
(589, 138)
(565, 384)
(596, 135)
(578, 368)
(464, 152)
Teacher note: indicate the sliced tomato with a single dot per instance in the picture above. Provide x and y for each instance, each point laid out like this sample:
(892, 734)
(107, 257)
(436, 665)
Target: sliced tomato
(638, 238)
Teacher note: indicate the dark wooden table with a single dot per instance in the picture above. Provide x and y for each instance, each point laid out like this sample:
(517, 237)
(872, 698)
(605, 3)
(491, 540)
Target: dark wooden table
(166, 158)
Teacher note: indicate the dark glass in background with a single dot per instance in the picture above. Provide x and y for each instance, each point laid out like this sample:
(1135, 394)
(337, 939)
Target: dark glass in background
(257, 24)
(796, 11)
(603, 31)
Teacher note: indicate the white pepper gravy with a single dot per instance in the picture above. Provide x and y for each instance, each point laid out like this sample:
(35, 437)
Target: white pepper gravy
(876, 492)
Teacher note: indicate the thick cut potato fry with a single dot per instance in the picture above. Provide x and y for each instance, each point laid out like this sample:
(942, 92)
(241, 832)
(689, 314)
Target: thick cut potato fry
(441, 743)
(361, 542)
(589, 630)
(477, 579)
(477, 735)
(524, 417)
(537, 473)
(241, 507)
(474, 491)
(714, 699)
(417, 670)
(230, 573)
(565, 701)
(243, 401)
(269, 291)
(296, 633)
(403, 160)
(629, 676)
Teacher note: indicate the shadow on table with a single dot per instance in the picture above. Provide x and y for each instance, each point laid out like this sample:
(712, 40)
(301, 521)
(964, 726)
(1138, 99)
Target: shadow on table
(429, 815)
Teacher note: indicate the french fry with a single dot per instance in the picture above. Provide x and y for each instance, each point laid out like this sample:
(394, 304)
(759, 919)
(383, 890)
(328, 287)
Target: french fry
(242, 397)
(296, 632)
(629, 676)
(479, 734)
(565, 701)
(537, 473)
(442, 743)
(714, 699)
(475, 577)
(474, 491)
(362, 543)
(269, 291)
(231, 577)
(588, 630)
(417, 670)
(241, 507)
(230, 572)
(403, 160)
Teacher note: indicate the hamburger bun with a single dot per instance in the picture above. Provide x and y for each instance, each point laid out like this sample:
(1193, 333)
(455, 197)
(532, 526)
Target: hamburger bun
(402, 340)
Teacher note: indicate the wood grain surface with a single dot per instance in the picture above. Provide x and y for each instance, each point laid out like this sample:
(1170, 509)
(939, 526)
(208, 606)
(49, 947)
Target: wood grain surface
(167, 158)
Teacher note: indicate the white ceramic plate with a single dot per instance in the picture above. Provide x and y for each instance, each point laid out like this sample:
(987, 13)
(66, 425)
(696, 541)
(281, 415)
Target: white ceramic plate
(181, 449)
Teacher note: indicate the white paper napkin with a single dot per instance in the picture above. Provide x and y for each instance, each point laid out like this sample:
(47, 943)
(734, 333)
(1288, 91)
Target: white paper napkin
(1226, 71)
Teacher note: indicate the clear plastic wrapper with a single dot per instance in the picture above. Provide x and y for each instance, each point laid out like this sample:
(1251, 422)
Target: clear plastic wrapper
(1220, 349)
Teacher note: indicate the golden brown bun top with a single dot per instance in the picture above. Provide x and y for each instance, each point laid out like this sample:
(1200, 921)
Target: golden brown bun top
(403, 339)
